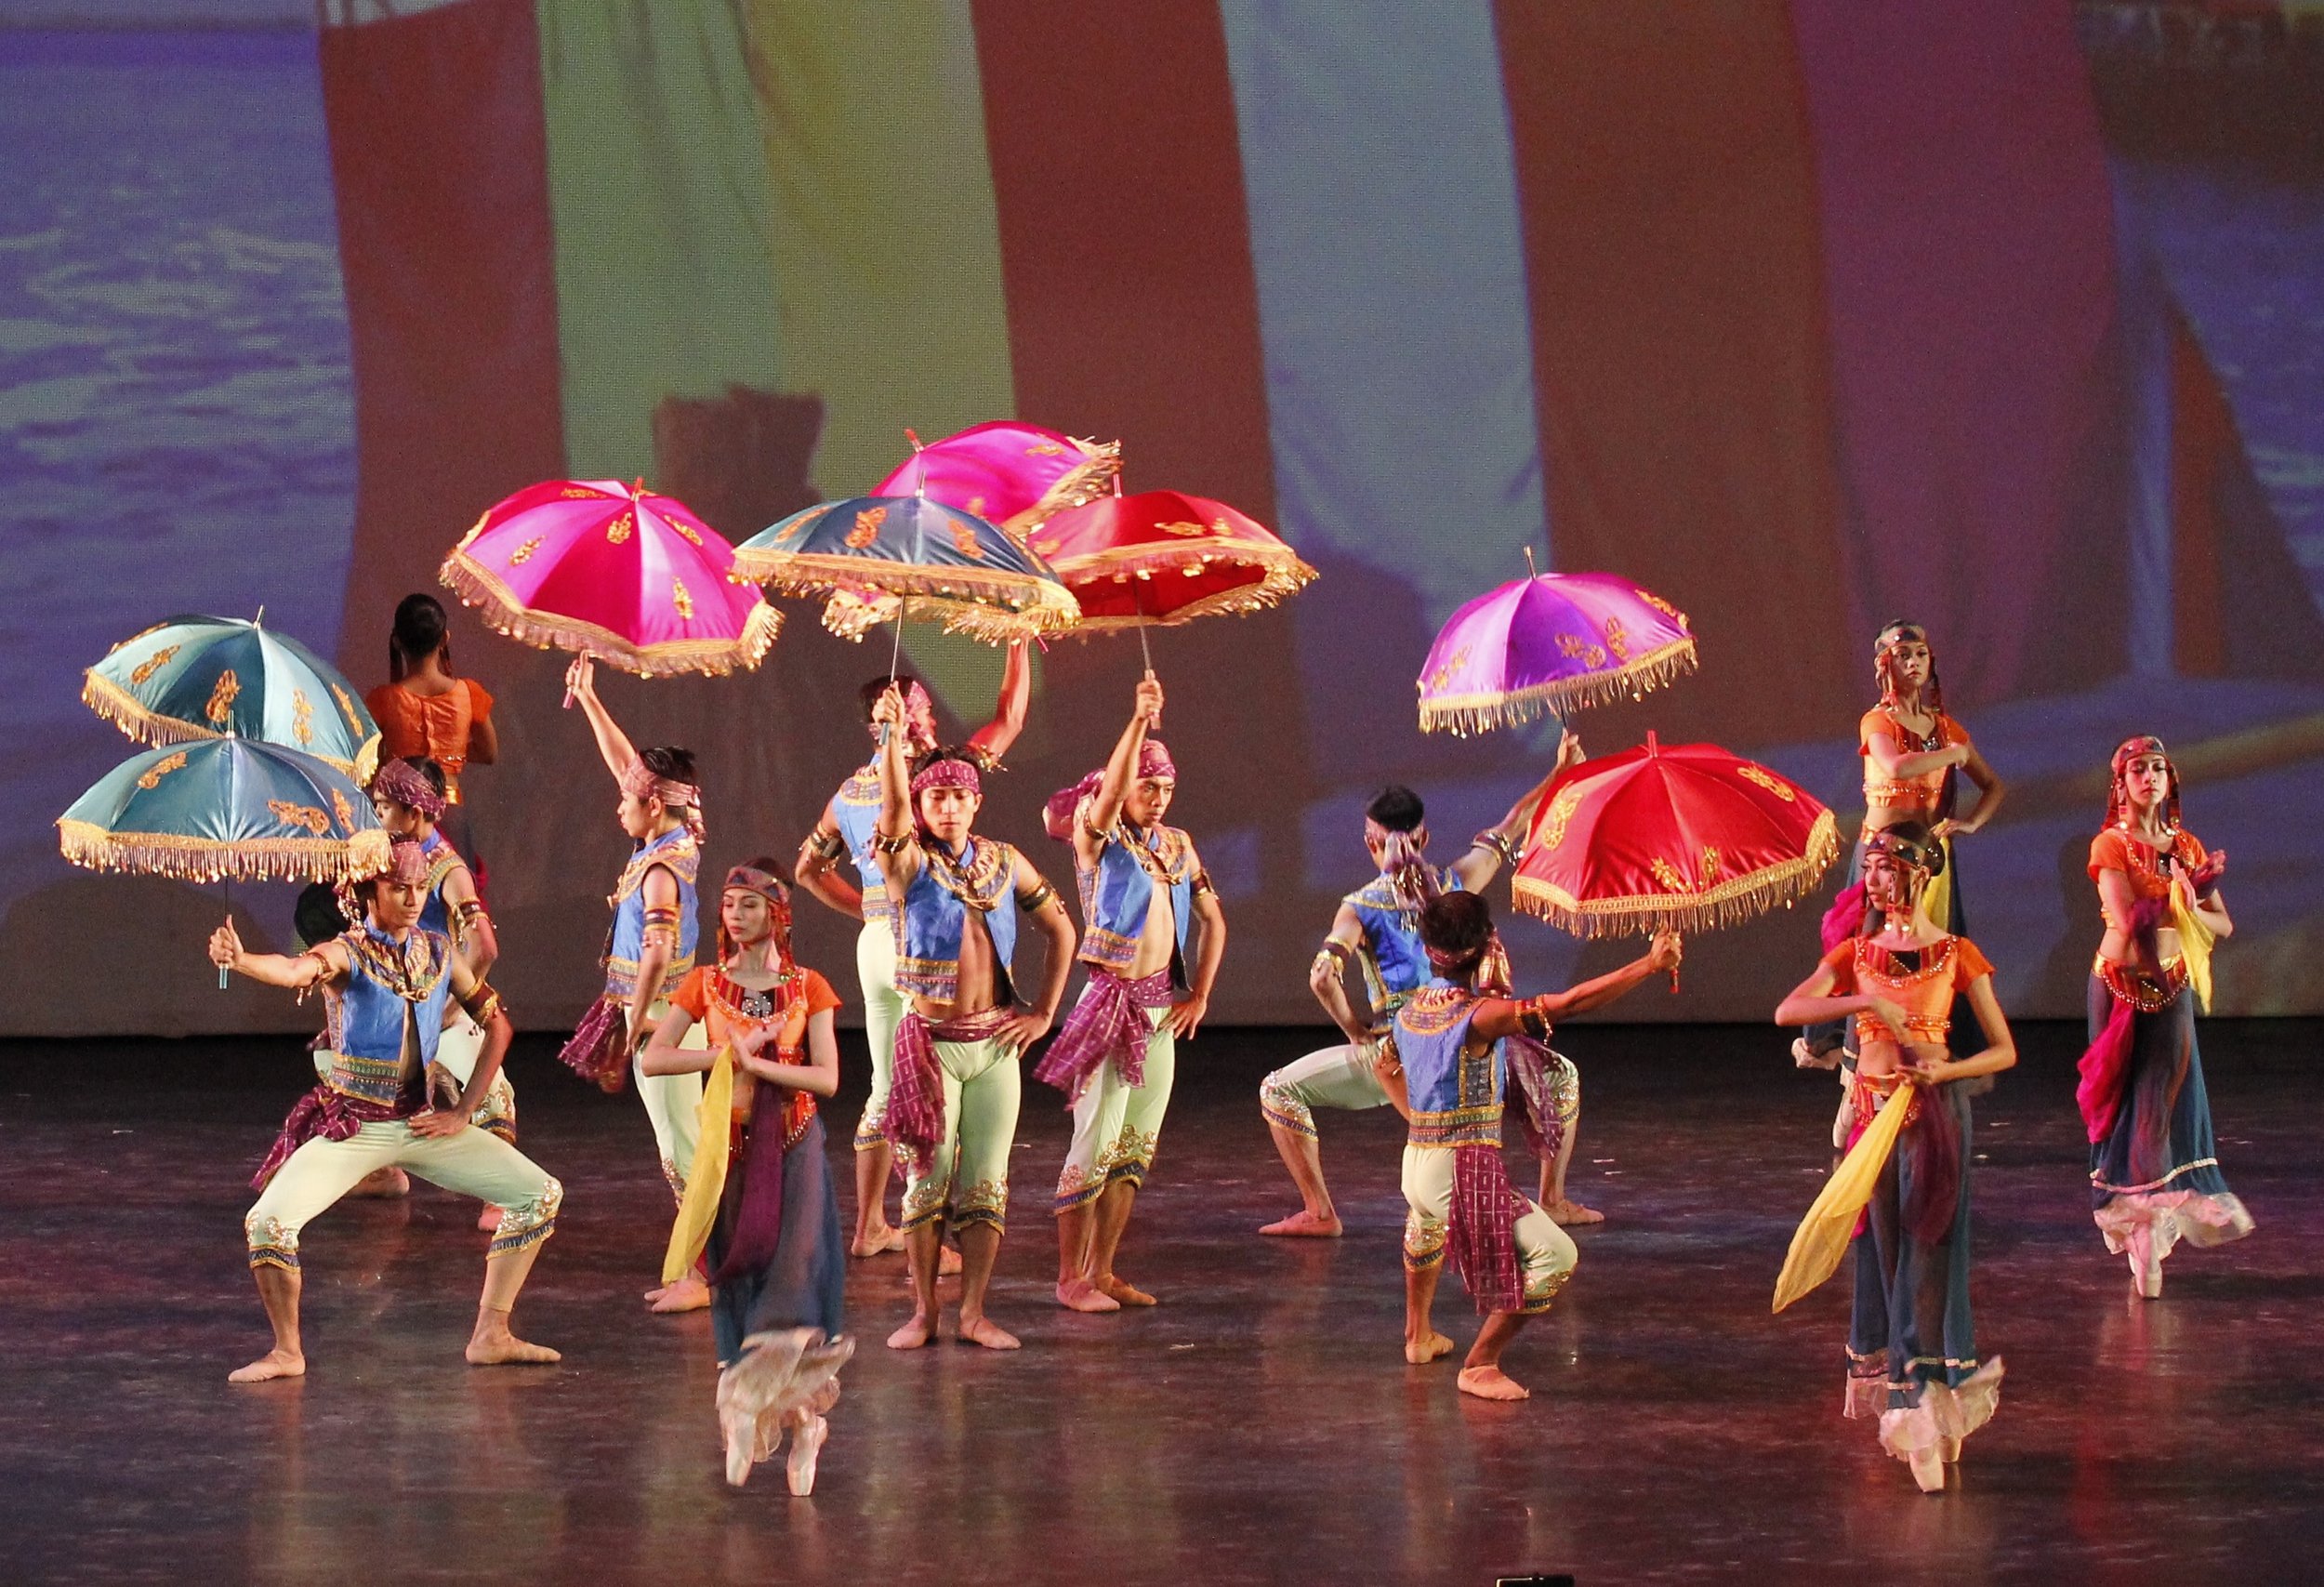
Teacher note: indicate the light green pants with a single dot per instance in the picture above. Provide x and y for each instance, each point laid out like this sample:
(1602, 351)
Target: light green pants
(672, 1104)
(1116, 1124)
(965, 1179)
(883, 1010)
(1337, 1076)
(470, 1163)
(1545, 1252)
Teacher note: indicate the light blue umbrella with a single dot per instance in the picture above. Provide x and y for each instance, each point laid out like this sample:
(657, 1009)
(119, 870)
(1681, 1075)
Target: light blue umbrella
(194, 679)
(221, 809)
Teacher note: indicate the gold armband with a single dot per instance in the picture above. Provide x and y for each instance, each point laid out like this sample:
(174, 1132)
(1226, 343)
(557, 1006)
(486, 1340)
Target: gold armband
(823, 845)
(467, 915)
(1497, 842)
(1202, 883)
(1335, 949)
(482, 1002)
(895, 845)
(1032, 902)
(1532, 1019)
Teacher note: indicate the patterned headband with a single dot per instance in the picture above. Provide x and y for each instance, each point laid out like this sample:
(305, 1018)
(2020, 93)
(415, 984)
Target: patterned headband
(1900, 849)
(1153, 759)
(640, 783)
(406, 785)
(1896, 634)
(947, 773)
(750, 879)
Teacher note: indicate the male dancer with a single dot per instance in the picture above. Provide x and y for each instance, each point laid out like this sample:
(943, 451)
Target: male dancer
(953, 1108)
(846, 829)
(411, 799)
(651, 947)
(1441, 1069)
(1376, 925)
(389, 1104)
(1139, 882)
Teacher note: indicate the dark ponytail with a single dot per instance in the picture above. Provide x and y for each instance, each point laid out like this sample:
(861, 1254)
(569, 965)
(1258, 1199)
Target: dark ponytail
(419, 633)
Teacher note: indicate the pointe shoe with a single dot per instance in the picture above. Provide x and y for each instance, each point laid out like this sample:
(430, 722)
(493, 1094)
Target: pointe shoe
(806, 1445)
(741, 1437)
(1928, 1468)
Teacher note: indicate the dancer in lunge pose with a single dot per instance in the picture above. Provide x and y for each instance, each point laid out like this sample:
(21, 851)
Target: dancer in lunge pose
(952, 1110)
(846, 830)
(1914, 756)
(759, 1201)
(1441, 1065)
(651, 948)
(1376, 929)
(1903, 1192)
(386, 1102)
(2154, 1171)
(1139, 881)
(411, 800)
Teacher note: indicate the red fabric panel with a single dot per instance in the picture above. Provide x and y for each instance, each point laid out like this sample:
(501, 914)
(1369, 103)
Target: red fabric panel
(440, 157)
(1133, 312)
(1970, 257)
(1672, 258)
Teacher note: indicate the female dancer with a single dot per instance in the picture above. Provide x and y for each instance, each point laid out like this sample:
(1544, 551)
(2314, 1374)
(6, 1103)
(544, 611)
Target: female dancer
(651, 948)
(425, 708)
(2154, 1179)
(760, 1199)
(1913, 1355)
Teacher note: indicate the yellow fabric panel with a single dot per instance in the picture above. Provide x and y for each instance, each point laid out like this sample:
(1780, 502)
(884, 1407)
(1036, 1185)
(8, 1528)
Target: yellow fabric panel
(714, 1134)
(1822, 1237)
(657, 189)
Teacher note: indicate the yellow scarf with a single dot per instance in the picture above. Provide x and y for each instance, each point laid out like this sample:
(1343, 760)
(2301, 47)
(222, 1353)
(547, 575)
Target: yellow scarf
(1823, 1235)
(699, 1206)
(2195, 940)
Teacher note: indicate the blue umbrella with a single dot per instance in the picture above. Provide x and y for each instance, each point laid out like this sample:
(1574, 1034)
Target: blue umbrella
(943, 561)
(220, 809)
(195, 678)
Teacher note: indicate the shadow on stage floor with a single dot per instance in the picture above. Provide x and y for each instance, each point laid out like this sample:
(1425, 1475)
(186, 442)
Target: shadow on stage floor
(1259, 1426)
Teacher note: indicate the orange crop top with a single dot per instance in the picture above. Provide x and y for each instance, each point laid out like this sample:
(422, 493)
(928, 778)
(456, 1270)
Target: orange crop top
(433, 725)
(2117, 850)
(1947, 969)
(1922, 793)
(715, 1002)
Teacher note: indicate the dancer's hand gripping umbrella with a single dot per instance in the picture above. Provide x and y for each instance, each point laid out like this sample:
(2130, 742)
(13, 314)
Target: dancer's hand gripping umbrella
(222, 808)
(1685, 838)
(619, 573)
(1556, 641)
(196, 678)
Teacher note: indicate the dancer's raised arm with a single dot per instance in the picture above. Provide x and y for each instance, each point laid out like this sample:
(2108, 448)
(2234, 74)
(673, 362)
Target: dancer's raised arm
(612, 742)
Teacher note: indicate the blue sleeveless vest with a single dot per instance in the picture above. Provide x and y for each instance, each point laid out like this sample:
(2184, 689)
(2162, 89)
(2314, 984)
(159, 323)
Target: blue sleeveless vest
(1454, 1093)
(675, 851)
(1393, 960)
(856, 809)
(1117, 894)
(935, 919)
(367, 1018)
(436, 915)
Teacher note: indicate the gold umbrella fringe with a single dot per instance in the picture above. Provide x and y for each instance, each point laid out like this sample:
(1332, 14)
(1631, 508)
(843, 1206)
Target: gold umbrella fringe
(145, 725)
(1077, 486)
(1043, 601)
(852, 616)
(1280, 563)
(1464, 714)
(1729, 903)
(207, 859)
(1240, 603)
(498, 607)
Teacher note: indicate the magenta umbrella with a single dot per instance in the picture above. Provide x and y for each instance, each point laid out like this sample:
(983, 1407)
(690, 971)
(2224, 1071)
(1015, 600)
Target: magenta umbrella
(1012, 474)
(1553, 643)
(617, 572)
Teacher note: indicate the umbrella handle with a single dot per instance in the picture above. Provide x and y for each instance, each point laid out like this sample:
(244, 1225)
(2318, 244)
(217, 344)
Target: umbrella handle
(229, 916)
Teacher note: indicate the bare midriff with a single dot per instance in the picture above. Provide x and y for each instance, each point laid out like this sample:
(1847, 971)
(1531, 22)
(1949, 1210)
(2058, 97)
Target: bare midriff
(978, 988)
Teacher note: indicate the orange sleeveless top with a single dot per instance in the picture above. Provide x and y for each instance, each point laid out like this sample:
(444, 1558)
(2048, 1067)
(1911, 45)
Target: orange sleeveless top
(1922, 793)
(1925, 995)
(433, 725)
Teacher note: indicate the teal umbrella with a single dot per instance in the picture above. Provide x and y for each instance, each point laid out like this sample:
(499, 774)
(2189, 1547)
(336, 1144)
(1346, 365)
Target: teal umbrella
(194, 679)
(222, 808)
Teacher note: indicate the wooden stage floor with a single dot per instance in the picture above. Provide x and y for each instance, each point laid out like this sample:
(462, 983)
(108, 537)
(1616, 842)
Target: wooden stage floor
(1259, 1426)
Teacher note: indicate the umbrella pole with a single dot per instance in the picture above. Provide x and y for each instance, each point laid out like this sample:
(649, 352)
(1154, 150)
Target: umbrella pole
(1139, 601)
(229, 921)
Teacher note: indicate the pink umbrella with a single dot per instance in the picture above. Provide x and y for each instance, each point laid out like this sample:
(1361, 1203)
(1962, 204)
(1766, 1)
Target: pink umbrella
(1553, 643)
(1011, 474)
(615, 571)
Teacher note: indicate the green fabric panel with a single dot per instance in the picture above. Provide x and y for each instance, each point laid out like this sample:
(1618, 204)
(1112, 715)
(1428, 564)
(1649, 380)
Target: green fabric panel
(657, 189)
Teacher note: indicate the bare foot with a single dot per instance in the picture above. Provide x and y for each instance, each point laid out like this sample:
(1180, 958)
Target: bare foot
(913, 1334)
(1419, 1352)
(1305, 1223)
(947, 1262)
(1491, 1382)
(689, 1294)
(273, 1364)
(991, 1335)
(501, 1348)
(489, 1219)
(1128, 1294)
(1077, 1296)
(386, 1183)
(1569, 1213)
(879, 1242)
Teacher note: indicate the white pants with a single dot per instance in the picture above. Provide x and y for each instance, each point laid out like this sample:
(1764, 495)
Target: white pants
(470, 1163)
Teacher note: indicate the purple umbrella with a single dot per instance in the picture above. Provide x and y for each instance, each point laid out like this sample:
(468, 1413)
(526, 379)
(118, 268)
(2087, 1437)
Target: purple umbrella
(1554, 642)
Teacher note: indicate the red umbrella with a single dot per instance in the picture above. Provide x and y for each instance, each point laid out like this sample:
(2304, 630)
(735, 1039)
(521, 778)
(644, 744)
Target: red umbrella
(1685, 838)
(1164, 557)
